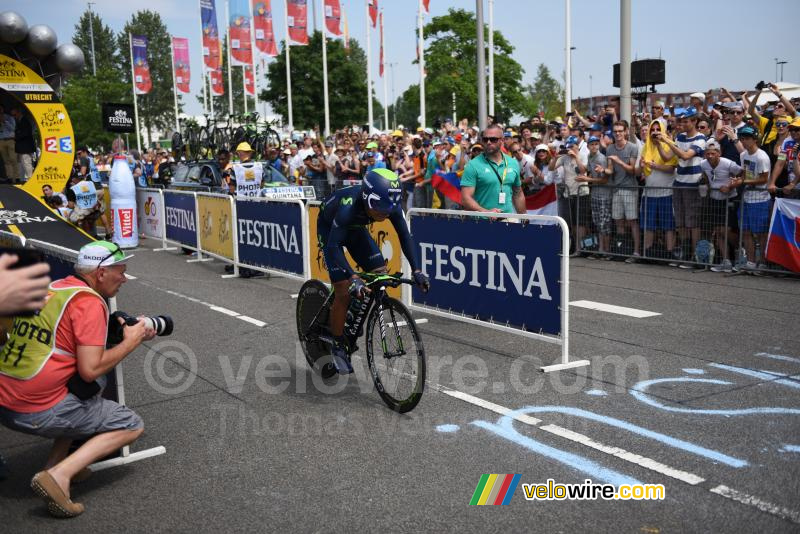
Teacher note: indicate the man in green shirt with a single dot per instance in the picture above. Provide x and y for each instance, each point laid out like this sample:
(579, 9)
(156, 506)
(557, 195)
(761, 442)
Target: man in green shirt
(491, 181)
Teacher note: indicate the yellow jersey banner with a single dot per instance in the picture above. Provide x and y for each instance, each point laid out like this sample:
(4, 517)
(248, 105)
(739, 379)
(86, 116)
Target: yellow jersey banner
(56, 138)
(382, 232)
(216, 223)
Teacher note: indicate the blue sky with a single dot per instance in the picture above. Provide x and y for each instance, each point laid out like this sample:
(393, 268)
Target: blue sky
(703, 43)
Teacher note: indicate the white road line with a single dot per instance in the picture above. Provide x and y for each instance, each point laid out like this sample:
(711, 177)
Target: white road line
(778, 378)
(492, 407)
(780, 357)
(647, 463)
(611, 308)
(295, 295)
(764, 506)
(130, 277)
(226, 311)
(245, 318)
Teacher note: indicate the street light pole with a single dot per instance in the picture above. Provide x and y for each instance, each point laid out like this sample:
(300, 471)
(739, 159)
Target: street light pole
(91, 37)
(481, 53)
(782, 63)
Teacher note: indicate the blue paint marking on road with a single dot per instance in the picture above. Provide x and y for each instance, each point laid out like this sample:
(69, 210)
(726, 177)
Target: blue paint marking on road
(782, 379)
(597, 392)
(505, 429)
(779, 357)
(790, 448)
(447, 428)
(693, 371)
(639, 392)
(630, 427)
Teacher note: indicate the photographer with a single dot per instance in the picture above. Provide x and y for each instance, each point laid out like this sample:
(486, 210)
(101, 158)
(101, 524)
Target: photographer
(48, 370)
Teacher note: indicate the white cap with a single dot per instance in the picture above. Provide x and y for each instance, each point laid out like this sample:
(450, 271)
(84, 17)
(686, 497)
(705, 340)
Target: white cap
(701, 96)
(101, 254)
(541, 147)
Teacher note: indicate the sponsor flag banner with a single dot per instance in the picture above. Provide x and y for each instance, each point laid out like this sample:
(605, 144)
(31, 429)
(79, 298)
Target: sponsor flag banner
(373, 11)
(270, 236)
(216, 223)
(380, 55)
(448, 184)
(239, 28)
(543, 202)
(118, 117)
(212, 46)
(179, 218)
(333, 16)
(783, 243)
(495, 489)
(180, 53)
(217, 85)
(382, 232)
(426, 8)
(262, 25)
(150, 209)
(510, 278)
(141, 69)
(297, 14)
(249, 81)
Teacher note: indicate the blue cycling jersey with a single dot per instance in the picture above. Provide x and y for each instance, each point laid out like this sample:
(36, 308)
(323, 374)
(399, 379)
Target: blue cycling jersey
(343, 211)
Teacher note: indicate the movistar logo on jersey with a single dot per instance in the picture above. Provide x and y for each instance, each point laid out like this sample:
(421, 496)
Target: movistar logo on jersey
(347, 201)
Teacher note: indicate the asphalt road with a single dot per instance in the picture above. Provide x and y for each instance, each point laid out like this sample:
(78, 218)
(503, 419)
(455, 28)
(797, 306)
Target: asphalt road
(703, 398)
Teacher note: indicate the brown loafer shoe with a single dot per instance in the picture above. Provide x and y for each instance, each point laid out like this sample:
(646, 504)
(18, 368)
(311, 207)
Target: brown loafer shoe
(58, 504)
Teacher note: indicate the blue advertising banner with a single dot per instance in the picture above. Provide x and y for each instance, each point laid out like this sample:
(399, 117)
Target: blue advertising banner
(180, 218)
(270, 235)
(490, 270)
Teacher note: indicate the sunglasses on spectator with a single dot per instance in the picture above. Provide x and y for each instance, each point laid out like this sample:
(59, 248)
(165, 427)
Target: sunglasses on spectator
(656, 107)
(781, 124)
(702, 127)
(113, 253)
(491, 139)
(619, 131)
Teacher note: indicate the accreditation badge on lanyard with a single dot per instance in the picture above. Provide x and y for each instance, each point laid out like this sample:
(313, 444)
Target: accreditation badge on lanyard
(501, 198)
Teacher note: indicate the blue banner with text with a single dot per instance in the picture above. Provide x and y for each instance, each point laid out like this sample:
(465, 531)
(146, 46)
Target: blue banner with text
(270, 235)
(180, 218)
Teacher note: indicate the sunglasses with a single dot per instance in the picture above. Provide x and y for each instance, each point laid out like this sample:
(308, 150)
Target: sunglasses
(491, 139)
(781, 124)
(111, 255)
(619, 131)
(703, 127)
(656, 107)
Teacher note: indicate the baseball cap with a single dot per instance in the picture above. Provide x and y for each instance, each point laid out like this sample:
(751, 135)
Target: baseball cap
(244, 147)
(733, 106)
(308, 156)
(428, 131)
(397, 133)
(328, 144)
(101, 254)
(687, 113)
(712, 144)
(795, 123)
(287, 151)
(371, 144)
(370, 154)
(699, 96)
(542, 147)
(596, 127)
(506, 134)
(426, 142)
(594, 139)
(476, 145)
(571, 141)
(747, 131)
(437, 142)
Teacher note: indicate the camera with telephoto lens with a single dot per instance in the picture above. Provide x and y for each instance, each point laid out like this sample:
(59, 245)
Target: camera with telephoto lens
(162, 324)
(761, 85)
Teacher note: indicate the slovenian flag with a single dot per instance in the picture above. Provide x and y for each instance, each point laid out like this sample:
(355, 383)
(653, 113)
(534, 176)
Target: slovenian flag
(447, 183)
(543, 202)
(783, 243)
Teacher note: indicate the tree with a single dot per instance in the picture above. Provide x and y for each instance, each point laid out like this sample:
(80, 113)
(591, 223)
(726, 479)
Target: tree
(346, 84)
(451, 65)
(107, 56)
(83, 96)
(407, 107)
(546, 94)
(156, 109)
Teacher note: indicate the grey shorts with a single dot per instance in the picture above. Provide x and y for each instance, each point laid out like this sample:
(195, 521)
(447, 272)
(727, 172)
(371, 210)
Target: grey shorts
(686, 203)
(625, 204)
(73, 418)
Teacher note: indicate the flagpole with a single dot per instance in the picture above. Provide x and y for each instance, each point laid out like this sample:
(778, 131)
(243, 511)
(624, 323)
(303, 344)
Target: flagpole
(421, 46)
(244, 87)
(203, 62)
(174, 84)
(385, 87)
(210, 94)
(288, 72)
(135, 104)
(228, 37)
(327, 130)
(491, 58)
(369, 75)
(253, 53)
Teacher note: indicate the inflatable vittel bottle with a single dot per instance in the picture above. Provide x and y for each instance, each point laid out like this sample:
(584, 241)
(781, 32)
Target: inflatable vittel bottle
(123, 203)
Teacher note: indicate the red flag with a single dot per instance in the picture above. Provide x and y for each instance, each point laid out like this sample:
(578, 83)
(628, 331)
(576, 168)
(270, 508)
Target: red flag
(180, 63)
(211, 42)
(426, 6)
(333, 16)
(380, 55)
(141, 69)
(373, 11)
(239, 28)
(297, 13)
(262, 24)
(217, 85)
(249, 81)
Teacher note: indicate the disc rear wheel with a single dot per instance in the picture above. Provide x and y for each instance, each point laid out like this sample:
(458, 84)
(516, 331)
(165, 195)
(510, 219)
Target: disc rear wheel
(311, 303)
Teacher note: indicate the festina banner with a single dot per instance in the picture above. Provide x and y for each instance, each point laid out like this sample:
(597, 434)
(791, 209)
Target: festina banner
(180, 58)
(249, 81)
(262, 24)
(217, 85)
(118, 118)
(333, 16)
(141, 70)
(373, 11)
(211, 43)
(297, 15)
(239, 26)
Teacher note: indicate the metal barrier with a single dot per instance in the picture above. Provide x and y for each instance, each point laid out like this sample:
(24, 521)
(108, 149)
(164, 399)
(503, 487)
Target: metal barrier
(216, 229)
(693, 228)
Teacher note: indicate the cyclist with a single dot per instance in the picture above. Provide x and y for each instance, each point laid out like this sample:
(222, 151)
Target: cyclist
(342, 223)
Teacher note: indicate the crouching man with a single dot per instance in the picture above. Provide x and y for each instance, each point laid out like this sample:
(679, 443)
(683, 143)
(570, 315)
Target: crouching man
(48, 371)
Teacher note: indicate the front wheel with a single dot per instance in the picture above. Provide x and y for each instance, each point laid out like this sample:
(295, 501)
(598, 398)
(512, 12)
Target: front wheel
(396, 362)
